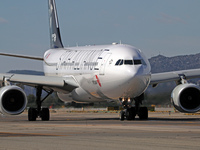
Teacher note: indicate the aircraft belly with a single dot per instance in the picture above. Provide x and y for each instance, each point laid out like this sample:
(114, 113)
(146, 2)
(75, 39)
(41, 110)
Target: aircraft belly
(88, 90)
(131, 88)
(101, 88)
(104, 88)
(79, 95)
(136, 86)
(91, 85)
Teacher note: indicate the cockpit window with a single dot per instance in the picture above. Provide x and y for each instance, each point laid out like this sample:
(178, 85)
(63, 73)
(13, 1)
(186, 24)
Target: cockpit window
(119, 62)
(128, 62)
(137, 62)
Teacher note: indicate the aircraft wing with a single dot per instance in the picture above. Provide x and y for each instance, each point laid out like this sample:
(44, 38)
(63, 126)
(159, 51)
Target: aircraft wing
(174, 76)
(67, 83)
(22, 56)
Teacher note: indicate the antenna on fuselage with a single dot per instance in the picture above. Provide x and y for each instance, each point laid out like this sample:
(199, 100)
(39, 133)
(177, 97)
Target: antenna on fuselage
(55, 37)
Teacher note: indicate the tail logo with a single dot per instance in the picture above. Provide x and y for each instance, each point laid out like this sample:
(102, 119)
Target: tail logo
(54, 37)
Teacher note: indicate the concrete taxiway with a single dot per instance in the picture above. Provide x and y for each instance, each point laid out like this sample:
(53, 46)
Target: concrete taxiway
(94, 131)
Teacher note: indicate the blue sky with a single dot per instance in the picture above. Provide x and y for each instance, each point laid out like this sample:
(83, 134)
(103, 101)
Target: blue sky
(167, 27)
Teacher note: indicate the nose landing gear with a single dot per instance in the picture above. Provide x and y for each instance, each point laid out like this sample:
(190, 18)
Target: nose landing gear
(130, 112)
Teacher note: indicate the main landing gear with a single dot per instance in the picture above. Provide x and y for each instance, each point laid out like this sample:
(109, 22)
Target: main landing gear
(130, 112)
(43, 113)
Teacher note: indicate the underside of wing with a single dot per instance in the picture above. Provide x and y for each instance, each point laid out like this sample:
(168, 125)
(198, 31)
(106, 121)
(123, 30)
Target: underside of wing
(174, 76)
(13, 99)
(22, 56)
(64, 84)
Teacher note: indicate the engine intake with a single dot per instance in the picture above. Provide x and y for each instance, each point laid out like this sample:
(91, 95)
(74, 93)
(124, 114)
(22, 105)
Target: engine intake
(13, 100)
(186, 98)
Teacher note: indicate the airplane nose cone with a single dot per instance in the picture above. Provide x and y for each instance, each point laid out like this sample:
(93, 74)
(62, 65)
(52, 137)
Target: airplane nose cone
(137, 80)
(131, 72)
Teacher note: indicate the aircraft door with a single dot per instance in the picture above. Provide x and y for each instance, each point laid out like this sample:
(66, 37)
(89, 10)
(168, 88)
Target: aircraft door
(103, 62)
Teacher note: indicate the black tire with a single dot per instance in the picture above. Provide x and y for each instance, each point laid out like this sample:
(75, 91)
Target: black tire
(122, 115)
(143, 113)
(131, 113)
(32, 114)
(45, 114)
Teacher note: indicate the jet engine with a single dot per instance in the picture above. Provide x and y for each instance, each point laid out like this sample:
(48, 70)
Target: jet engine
(186, 98)
(13, 100)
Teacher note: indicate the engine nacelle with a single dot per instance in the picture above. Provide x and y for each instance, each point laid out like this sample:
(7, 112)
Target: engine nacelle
(13, 100)
(186, 98)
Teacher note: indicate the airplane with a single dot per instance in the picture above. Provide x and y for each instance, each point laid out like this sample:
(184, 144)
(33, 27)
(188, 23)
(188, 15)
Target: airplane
(116, 72)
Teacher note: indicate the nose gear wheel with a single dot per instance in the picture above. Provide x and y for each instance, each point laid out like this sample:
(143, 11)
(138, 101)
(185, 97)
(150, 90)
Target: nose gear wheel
(129, 112)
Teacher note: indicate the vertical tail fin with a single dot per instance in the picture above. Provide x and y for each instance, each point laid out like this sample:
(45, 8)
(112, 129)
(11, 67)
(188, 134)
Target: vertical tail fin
(55, 38)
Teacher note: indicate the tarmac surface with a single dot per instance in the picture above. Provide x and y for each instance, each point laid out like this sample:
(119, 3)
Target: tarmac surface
(94, 131)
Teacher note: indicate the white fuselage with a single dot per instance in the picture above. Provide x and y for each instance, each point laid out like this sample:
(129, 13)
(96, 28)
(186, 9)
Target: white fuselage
(106, 72)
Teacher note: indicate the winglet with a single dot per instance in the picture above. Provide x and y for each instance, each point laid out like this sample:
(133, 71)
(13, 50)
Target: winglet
(55, 38)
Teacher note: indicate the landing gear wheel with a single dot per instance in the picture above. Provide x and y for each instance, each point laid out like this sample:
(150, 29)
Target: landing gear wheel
(32, 114)
(45, 114)
(143, 113)
(130, 113)
(122, 115)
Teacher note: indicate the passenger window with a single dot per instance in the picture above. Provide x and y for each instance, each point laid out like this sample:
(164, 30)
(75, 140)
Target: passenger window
(128, 62)
(137, 62)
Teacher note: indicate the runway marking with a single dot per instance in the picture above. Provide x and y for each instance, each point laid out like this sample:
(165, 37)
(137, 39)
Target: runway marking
(10, 134)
